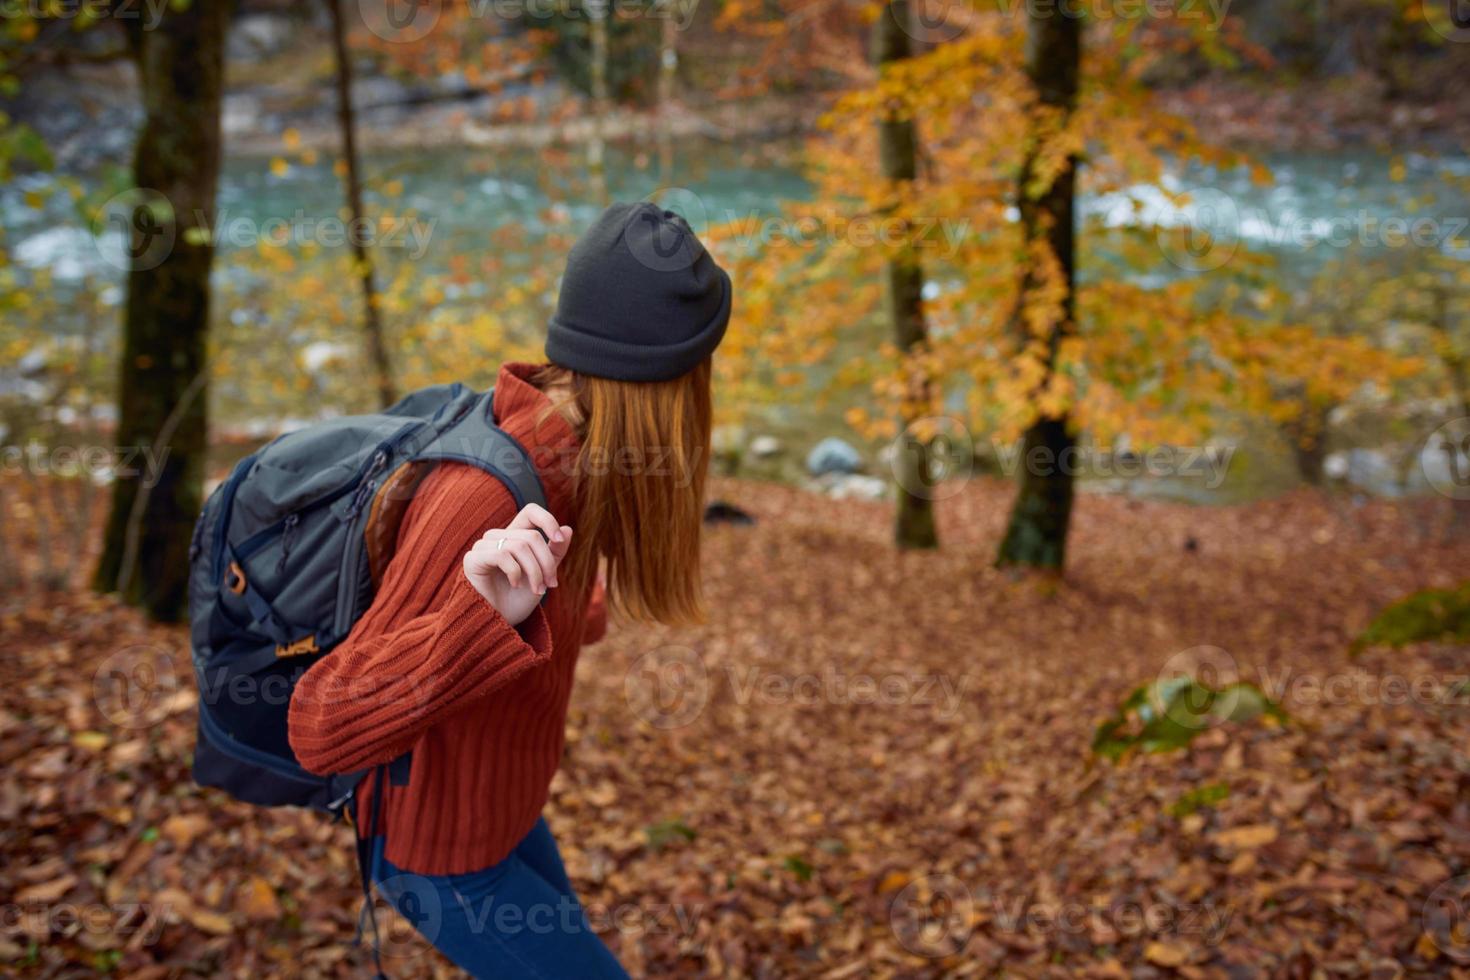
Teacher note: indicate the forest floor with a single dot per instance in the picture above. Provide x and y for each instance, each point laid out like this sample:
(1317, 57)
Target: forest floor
(866, 764)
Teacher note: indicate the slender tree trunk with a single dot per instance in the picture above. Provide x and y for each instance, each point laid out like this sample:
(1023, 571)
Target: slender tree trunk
(372, 319)
(1305, 432)
(1457, 367)
(668, 64)
(1311, 458)
(1037, 533)
(1308, 437)
(597, 11)
(165, 326)
(898, 152)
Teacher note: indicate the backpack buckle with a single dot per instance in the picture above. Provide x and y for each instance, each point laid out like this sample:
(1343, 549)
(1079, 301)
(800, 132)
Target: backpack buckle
(238, 585)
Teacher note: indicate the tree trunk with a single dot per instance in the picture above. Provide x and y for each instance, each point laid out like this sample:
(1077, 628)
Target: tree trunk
(1457, 367)
(898, 158)
(1308, 437)
(166, 320)
(1037, 534)
(372, 319)
(597, 13)
(668, 63)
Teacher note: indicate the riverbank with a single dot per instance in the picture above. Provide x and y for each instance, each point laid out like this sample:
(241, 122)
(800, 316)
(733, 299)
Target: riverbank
(1336, 114)
(278, 84)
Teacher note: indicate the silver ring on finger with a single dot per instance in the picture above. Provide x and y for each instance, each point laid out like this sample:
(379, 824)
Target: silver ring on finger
(499, 545)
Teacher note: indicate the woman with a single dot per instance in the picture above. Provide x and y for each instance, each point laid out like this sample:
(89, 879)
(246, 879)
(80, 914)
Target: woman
(467, 654)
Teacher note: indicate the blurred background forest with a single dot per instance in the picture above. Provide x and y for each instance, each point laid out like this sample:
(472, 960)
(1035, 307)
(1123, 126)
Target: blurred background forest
(1169, 299)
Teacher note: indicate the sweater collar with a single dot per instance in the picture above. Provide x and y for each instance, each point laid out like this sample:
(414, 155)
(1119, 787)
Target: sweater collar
(525, 413)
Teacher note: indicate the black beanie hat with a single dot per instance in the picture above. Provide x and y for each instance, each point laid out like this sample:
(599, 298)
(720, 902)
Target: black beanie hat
(641, 300)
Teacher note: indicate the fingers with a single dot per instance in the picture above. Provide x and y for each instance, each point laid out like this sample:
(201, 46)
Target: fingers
(536, 516)
(515, 570)
(510, 560)
(481, 561)
(560, 548)
(532, 555)
(534, 545)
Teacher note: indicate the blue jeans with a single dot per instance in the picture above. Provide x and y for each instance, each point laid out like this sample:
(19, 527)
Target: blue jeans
(517, 919)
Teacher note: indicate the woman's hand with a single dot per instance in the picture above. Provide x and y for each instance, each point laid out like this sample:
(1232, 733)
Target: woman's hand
(512, 567)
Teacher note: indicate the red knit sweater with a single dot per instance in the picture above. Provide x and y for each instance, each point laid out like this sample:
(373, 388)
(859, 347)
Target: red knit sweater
(434, 668)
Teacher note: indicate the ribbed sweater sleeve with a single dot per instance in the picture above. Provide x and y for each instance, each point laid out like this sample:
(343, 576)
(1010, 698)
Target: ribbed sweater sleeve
(428, 646)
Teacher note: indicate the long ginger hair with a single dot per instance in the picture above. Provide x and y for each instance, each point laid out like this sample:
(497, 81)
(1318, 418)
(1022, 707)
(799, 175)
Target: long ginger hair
(639, 484)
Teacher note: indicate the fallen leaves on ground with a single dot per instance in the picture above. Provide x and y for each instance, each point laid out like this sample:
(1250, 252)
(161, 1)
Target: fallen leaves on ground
(866, 763)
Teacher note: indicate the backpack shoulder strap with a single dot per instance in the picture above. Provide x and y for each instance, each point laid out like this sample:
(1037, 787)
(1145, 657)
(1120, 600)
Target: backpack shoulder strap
(475, 439)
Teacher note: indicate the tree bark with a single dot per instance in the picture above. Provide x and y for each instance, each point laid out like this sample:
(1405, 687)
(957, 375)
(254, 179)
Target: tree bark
(668, 63)
(1042, 513)
(899, 159)
(1457, 367)
(1308, 437)
(372, 319)
(166, 319)
(597, 14)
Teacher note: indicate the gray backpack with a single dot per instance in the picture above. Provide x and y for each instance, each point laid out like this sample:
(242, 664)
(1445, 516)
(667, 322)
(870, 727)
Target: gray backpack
(287, 555)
